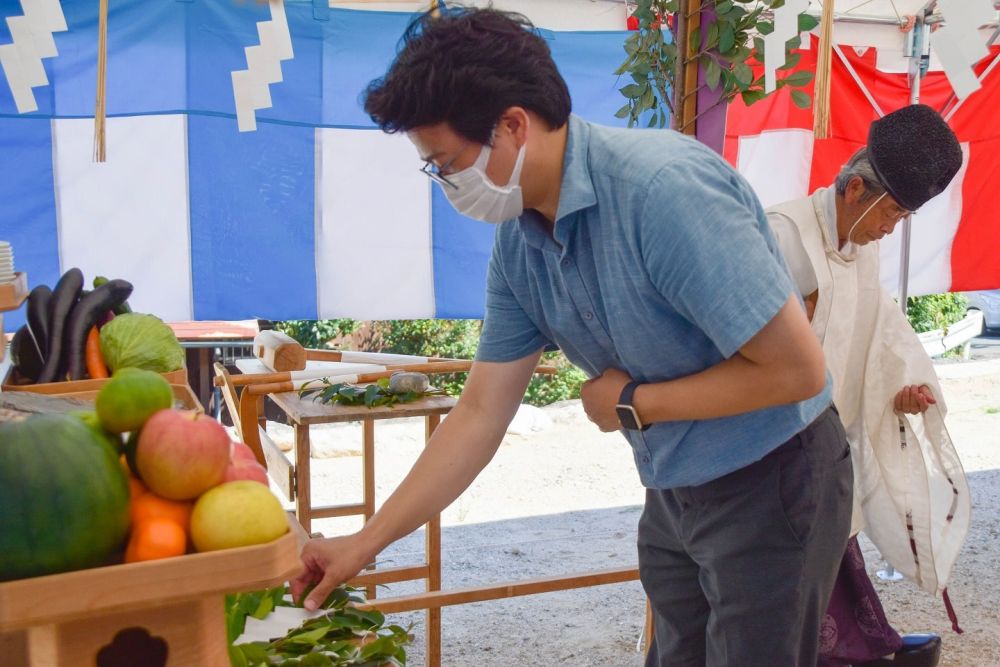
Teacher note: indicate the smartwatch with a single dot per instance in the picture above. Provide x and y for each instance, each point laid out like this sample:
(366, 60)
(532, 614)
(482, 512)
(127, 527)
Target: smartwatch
(627, 414)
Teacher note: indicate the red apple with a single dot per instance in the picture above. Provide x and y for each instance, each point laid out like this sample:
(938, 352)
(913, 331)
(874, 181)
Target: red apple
(244, 469)
(242, 451)
(181, 453)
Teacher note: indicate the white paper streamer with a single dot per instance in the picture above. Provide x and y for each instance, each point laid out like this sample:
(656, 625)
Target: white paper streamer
(32, 40)
(251, 87)
(381, 358)
(786, 26)
(958, 44)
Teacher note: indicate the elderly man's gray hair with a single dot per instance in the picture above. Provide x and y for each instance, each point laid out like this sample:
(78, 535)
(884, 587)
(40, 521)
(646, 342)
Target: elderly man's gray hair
(859, 166)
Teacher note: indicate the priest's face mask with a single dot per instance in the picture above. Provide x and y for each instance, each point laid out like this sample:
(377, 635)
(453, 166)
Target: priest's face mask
(872, 216)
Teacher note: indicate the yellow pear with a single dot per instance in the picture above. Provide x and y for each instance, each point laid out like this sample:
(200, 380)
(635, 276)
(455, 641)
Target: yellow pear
(237, 514)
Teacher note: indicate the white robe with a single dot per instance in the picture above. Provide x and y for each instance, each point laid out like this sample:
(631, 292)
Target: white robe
(911, 496)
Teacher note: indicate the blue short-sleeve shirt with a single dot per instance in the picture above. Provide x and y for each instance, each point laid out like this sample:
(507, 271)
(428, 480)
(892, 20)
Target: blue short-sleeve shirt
(662, 265)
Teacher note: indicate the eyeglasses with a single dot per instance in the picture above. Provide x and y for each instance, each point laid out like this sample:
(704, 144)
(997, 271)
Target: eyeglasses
(439, 174)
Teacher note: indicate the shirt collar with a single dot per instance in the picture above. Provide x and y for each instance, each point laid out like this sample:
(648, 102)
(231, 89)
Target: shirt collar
(576, 192)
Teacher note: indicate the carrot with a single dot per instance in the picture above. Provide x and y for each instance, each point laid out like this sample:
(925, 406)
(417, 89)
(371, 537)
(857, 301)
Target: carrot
(96, 368)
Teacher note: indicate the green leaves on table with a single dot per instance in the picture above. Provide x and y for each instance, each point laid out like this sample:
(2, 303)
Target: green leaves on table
(343, 637)
(371, 396)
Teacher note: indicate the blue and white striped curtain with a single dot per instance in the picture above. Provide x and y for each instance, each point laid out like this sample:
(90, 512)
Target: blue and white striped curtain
(316, 214)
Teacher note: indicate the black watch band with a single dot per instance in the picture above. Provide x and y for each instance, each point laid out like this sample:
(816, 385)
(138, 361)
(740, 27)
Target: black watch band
(627, 414)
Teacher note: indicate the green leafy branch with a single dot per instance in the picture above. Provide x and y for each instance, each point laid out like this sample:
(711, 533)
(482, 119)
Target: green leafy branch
(343, 636)
(730, 41)
(371, 396)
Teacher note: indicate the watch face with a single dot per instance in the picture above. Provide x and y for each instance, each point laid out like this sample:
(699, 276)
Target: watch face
(626, 416)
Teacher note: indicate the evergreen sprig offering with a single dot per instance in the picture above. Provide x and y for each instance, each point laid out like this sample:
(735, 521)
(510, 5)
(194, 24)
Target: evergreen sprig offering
(342, 637)
(371, 396)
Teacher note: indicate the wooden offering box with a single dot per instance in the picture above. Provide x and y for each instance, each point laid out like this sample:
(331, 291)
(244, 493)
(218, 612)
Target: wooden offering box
(184, 397)
(165, 613)
(66, 387)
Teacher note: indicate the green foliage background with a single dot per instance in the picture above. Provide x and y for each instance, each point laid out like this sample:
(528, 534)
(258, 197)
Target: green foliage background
(436, 338)
(935, 311)
(316, 333)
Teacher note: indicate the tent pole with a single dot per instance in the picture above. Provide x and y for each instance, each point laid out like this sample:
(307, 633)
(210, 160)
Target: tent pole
(920, 36)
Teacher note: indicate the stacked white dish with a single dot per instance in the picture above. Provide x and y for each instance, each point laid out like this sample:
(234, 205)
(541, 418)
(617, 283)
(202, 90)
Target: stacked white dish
(6, 263)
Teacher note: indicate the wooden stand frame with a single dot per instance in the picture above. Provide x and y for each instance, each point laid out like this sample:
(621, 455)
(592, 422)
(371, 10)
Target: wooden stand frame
(295, 480)
(164, 613)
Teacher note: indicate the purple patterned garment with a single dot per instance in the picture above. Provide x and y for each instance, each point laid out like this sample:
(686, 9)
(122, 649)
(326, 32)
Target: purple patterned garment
(855, 628)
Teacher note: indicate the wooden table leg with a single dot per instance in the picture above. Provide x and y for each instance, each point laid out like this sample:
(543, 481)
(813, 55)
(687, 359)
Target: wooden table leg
(303, 494)
(368, 487)
(433, 549)
(199, 365)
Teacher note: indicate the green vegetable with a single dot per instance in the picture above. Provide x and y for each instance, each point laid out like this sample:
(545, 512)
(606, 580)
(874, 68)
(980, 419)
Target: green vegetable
(342, 637)
(134, 340)
(64, 497)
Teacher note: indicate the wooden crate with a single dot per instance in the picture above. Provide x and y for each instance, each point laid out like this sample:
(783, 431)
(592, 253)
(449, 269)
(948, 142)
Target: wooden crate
(13, 294)
(130, 615)
(183, 396)
(10, 383)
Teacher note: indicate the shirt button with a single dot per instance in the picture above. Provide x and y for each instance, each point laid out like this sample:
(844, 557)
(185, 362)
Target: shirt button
(588, 316)
(645, 459)
(566, 262)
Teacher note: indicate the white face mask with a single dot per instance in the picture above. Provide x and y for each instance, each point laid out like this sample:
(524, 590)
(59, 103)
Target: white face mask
(476, 196)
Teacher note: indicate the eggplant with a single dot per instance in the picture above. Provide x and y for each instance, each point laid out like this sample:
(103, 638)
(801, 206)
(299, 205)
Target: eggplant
(39, 302)
(24, 355)
(88, 310)
(64, 297)
(121, 308)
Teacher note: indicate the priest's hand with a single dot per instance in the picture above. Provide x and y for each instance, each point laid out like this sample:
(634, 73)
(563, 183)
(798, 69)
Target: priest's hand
(913, 399)
(600, 397)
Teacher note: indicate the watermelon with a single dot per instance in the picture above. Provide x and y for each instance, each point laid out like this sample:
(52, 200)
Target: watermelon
(64, 497)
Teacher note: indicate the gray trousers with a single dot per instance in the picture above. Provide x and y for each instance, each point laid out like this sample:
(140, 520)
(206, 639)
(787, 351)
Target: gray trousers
(739, 570)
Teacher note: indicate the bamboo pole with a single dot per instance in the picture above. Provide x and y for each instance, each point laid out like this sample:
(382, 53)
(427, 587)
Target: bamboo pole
(437, 599)
(429, 369)
(246, 379)
(100, 109)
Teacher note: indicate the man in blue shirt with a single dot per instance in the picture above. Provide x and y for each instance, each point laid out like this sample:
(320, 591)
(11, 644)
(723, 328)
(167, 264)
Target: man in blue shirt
(648, 261)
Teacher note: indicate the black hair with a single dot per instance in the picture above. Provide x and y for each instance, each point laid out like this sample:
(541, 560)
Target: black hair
(466, 66)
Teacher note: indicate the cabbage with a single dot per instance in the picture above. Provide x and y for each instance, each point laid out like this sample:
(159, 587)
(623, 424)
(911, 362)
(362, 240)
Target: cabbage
(134, 340)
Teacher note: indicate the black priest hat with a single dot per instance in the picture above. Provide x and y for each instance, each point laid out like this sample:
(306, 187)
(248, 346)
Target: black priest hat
(914, 154)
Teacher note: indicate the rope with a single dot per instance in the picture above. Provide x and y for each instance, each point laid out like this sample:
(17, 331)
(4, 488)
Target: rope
(821, 101)
(857, 80)
(951, 612)
(859, 6)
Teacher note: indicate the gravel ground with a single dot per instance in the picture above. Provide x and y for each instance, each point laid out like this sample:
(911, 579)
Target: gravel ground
(566, 498)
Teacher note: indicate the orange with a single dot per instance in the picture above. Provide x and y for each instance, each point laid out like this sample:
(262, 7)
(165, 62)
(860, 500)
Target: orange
(136, 488)
(153, 539)
(151, 506)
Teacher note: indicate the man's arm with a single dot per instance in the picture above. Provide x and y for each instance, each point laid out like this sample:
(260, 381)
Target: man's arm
(459, 449)
(783, 363)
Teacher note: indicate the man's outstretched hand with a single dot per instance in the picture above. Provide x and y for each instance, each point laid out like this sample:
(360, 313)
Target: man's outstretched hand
(327, 563)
